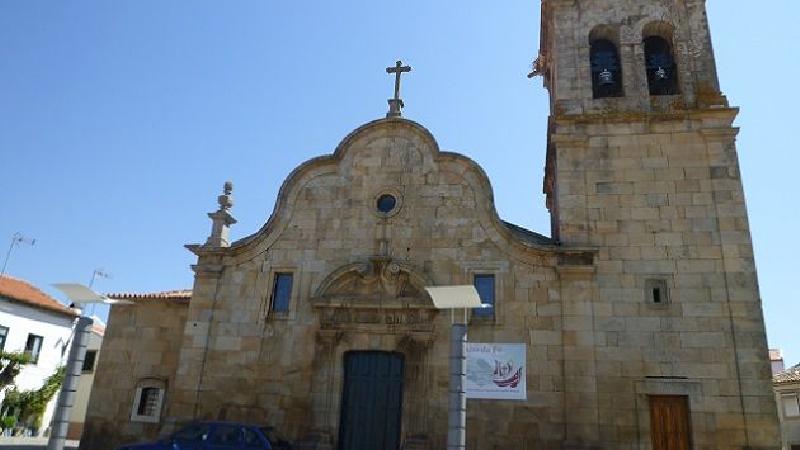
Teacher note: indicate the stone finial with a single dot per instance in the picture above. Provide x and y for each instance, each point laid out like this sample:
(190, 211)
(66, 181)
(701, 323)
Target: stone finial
(226, 199)
(221, 219)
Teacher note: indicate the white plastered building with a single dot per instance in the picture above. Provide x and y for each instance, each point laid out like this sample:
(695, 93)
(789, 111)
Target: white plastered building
(38, 325)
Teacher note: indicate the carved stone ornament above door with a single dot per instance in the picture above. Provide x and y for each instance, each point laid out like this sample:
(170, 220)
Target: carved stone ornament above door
(379, 295)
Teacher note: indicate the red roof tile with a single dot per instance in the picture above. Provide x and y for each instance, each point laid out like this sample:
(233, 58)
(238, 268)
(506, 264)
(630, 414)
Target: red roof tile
(21, 291)
(791, 375)
(99, 329)
(177, 296)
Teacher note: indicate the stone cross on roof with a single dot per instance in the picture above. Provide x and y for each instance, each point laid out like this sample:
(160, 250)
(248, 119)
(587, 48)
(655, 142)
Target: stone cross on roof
(396, 104)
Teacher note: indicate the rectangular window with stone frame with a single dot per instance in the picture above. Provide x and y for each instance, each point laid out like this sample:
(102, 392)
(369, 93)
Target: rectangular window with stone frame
(656, 291)
(281, 292)
(147, 401)
(485, 285)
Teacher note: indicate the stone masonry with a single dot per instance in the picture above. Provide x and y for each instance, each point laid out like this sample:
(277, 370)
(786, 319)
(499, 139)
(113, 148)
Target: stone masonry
(645, 197)
(143, 344)
(653, 183)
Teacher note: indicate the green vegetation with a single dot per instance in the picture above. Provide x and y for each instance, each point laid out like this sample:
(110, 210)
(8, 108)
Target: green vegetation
(29, 406)
(10, 366)
(8, 422)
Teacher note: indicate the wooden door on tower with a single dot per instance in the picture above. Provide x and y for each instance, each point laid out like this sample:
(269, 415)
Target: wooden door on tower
(372, 401)
(669, 422)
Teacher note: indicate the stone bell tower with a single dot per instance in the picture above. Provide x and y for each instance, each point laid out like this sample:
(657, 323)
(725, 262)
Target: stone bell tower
(642, 166)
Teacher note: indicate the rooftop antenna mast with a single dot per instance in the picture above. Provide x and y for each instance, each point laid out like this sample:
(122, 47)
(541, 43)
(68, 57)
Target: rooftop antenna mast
(101, 273)
(16, 240)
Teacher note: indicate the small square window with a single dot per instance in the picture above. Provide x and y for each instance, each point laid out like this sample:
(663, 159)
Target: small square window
(485, 286)
(3, 336)
(33, 347)
(88, 361)
(282, 292)
(147, 402)
(656, 292)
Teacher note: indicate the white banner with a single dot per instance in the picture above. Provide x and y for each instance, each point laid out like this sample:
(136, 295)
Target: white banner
(496, 371)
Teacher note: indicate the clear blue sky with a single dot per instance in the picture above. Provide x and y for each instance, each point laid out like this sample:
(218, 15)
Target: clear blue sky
(119, 121)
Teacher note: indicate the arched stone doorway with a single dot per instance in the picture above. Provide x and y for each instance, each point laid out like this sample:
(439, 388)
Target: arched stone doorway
(370, 309)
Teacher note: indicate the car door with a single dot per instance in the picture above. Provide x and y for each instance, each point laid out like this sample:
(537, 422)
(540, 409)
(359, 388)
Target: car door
(192, 437)
(225, 437)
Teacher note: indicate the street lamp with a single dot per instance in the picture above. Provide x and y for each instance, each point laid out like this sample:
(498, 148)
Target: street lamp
(462, 297)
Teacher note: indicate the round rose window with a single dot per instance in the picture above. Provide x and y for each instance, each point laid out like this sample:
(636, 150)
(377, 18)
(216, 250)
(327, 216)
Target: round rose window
(386, 203)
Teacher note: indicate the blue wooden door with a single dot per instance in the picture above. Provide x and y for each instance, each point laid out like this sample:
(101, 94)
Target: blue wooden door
(372, 401)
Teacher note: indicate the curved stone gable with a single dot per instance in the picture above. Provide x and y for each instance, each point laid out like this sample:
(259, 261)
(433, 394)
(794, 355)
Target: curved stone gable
(396, 156)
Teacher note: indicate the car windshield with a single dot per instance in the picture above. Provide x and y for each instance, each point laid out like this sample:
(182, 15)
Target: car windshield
(251, 438)
(268, 432)
(192, 433)
(227, 435)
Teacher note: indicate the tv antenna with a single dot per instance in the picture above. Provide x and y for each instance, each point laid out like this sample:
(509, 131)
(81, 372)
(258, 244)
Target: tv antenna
(102, 273)
(16, 240)
(98, 273)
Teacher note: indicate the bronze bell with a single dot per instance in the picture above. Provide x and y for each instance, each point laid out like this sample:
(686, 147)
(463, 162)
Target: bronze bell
(661, 74)
(606, 77)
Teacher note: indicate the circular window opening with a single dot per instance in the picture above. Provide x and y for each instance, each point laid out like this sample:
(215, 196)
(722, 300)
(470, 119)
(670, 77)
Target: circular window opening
(386, 203)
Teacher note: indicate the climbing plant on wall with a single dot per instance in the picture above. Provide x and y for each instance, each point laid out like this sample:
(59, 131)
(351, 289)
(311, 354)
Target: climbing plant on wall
(29, 406)
(10, 366)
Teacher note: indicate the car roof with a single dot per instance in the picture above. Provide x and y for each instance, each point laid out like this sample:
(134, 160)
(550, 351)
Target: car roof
(228, 422)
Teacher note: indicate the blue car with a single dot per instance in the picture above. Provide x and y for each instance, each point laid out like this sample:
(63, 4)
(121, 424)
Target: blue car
(217, 436)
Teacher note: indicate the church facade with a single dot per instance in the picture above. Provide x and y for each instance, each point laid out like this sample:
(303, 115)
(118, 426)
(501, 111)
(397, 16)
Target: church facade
(641, 315)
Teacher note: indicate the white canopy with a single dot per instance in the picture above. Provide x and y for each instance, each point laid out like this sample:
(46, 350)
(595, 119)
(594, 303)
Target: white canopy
(454, 297)
(81, 295)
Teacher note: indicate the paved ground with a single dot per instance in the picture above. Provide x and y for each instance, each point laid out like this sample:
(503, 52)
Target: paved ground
(10, 443)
